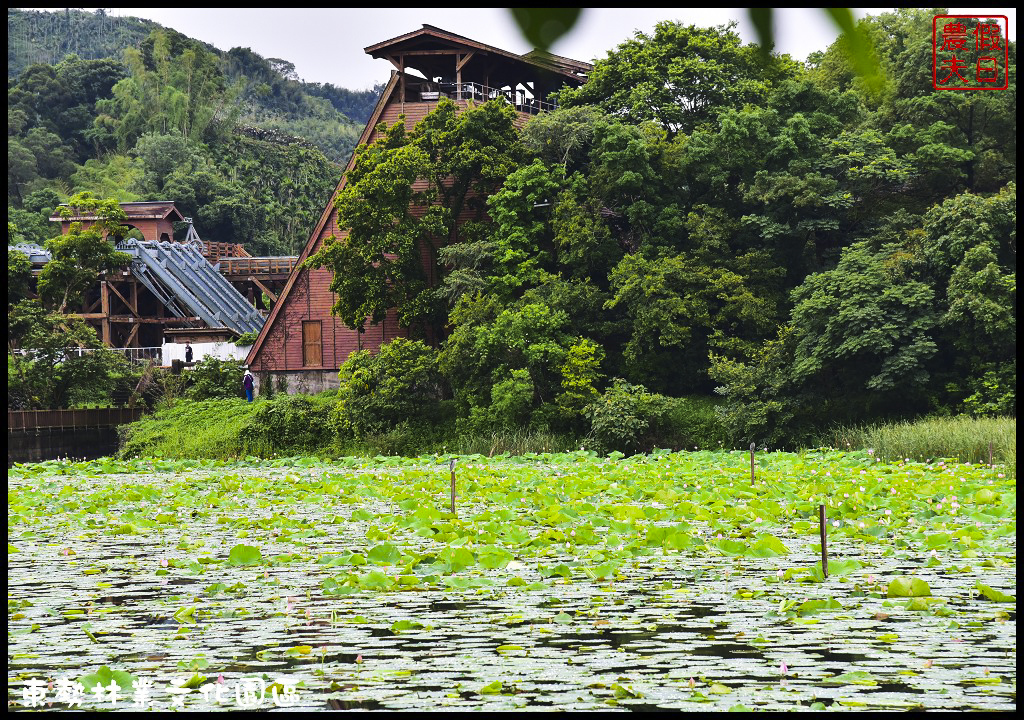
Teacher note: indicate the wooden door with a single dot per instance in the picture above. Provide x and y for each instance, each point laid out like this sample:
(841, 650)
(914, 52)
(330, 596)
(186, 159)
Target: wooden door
(312, 347)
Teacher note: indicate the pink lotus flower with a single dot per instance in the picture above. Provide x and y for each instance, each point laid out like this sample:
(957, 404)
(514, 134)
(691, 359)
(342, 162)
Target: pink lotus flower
(784, 668)
(220, 678)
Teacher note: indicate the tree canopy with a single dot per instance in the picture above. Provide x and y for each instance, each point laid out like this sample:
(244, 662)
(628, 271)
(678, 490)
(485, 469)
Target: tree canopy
(815, 245)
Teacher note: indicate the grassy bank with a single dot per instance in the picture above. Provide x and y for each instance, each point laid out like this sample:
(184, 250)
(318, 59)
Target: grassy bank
(303, 425)
(200, 429)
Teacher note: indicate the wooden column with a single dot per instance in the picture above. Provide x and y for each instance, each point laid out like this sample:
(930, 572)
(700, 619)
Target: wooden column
(460, 60)
(134, 337)
(105, 309)
(401, 89)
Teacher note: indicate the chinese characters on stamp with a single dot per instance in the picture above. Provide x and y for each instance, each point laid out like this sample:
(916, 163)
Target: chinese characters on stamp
(970, 52)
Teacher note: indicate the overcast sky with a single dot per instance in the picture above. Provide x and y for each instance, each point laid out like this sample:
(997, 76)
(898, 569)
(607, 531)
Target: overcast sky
(326, 45)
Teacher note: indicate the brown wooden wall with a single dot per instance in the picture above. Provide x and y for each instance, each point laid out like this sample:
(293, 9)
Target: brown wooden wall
(310, 298)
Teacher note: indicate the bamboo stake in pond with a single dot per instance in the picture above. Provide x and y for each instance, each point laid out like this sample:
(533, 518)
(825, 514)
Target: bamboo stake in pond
(452, 466)
(824, 533)
(752, 446)
(990, 453)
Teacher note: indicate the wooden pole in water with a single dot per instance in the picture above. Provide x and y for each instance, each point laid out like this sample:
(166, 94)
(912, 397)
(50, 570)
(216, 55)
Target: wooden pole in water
(452, 466)
(752, 446)
(990, 453)
(824, 533)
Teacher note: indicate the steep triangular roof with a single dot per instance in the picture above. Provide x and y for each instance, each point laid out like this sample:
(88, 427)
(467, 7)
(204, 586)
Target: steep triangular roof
(382, 101)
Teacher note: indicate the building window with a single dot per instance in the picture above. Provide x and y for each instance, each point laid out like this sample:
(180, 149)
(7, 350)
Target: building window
(312, 344)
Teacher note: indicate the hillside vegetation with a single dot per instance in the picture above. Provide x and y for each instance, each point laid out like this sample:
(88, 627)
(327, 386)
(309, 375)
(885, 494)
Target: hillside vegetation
(126, 109)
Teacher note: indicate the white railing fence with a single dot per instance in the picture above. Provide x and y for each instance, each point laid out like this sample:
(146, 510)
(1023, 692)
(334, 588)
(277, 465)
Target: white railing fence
(138, 355)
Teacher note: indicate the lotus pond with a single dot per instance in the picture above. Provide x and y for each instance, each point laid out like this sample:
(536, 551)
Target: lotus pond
(663, 581)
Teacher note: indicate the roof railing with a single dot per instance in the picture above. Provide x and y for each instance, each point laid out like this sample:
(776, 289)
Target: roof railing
(518, 98)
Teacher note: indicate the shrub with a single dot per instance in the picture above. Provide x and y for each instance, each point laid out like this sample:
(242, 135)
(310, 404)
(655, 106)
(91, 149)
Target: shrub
(400, 384)
(693, 422)
(212, 378)
(247, 338)
(994, 391)
(761, 401)
(627, 417)
(203, 429)
(511, 399)
(291, 424)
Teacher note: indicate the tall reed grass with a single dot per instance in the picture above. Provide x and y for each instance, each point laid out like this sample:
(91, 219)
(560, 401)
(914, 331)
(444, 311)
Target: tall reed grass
(962, 438)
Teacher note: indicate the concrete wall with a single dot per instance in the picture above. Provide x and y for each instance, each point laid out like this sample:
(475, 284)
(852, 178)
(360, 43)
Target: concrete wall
(219, 350)
(52, 443)
(299, 382)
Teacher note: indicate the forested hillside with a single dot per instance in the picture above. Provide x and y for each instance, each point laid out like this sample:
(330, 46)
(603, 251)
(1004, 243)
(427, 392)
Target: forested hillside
(140, 112)
(47, 37)
(695, 220)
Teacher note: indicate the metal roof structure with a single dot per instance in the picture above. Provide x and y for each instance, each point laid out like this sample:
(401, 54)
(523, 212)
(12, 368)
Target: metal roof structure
(36, 253)
(189, 286)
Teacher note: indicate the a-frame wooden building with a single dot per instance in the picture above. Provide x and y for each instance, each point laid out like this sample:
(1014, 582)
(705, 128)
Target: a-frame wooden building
(302, 346)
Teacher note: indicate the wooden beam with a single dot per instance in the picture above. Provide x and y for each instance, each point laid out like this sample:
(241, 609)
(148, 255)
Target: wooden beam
(133, 336)
(401, 89)
(263, 287)
(124, 300)
(453, 51)
(463, 61)
(394, 62)
(130, 320)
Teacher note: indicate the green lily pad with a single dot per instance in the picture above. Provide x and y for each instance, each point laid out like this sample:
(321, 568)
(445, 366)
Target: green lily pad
(908, 587)
(857, 677)
(993, 594)
(245, 555)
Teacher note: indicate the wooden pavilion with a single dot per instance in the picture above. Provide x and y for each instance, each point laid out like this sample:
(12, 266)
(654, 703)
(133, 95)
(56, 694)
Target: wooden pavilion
(301, 343)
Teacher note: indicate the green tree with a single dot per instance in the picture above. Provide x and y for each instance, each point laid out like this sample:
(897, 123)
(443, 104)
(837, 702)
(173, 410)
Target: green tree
(55, 361)
(393, 227)
(173, 85)
(78, 257)
(21, 169)
(507, 362)
(864, 333)
(680, 76)
(19, 270)
(676, 306)
(956, 140)
(762, 400)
